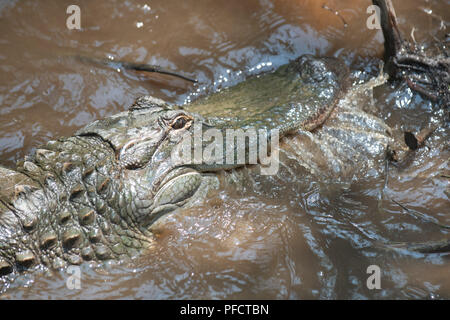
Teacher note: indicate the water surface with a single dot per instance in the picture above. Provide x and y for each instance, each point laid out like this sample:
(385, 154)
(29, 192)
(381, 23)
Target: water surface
(312, 241)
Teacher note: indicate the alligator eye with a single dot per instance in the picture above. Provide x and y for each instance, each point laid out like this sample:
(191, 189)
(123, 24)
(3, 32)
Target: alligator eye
(180, 122)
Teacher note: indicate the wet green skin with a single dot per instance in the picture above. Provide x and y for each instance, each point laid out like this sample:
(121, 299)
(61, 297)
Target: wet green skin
(94, 196)
(300, 95)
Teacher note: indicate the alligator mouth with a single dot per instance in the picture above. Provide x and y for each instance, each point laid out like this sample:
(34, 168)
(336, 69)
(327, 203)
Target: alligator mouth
(178, 187)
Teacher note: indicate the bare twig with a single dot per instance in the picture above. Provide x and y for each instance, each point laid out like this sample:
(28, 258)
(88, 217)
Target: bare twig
(133, 66)
(428, 247)
(422, 216)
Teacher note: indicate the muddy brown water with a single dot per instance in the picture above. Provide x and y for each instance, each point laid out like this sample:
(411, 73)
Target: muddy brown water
(309, 243)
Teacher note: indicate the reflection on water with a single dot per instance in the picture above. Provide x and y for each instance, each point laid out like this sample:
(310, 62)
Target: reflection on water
(307, 240)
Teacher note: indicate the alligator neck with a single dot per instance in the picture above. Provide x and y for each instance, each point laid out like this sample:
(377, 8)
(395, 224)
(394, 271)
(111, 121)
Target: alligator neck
(71, 209)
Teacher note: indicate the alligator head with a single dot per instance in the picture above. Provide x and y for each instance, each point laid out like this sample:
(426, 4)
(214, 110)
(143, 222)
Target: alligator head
(145, 140)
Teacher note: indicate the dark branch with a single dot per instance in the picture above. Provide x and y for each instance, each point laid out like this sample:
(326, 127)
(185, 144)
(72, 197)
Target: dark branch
(403, 60)
(133, 66)
(388, 20)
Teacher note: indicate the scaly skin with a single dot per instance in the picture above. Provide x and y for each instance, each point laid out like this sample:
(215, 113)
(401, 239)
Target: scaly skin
(74, 210)
(95, 196)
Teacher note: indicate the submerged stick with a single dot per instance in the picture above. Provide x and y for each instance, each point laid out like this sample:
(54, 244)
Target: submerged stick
(428, 247)
(133, 66)
(422, 216)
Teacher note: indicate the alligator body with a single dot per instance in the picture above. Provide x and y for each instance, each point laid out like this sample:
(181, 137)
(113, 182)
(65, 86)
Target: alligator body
(95, 196)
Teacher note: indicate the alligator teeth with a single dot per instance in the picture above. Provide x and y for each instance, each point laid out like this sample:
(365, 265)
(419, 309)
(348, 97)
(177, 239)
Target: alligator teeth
(71, 238)
(5, 268)
(25, 258)
(86, 216)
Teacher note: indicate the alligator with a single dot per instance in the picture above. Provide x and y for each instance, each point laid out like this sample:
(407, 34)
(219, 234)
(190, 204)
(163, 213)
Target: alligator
(95, 196)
